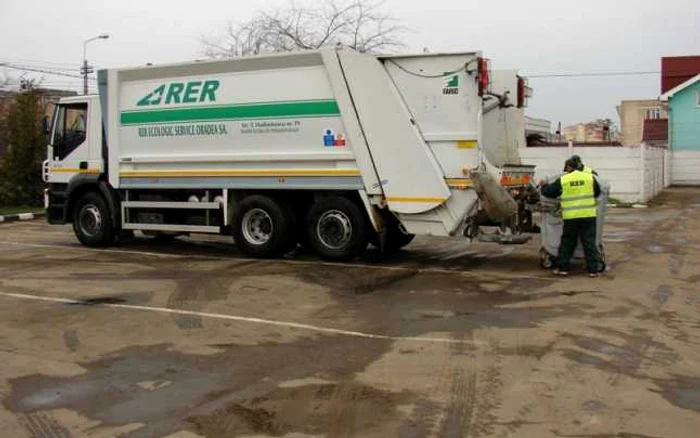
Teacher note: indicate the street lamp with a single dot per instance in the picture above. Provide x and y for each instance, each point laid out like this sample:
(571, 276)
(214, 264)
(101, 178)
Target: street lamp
(86, 68)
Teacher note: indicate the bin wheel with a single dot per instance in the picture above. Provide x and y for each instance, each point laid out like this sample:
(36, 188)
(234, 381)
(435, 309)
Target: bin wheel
(603, 265)
(546, 260)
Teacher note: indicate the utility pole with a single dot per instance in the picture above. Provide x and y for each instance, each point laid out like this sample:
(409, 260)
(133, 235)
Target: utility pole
(86, 69)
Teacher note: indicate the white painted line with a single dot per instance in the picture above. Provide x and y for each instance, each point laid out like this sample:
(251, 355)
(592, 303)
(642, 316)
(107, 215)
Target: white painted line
(272, 322)
(116, 251)
(26, 216)
(479, 272)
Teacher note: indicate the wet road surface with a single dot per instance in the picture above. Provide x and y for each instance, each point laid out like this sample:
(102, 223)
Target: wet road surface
(445, 339)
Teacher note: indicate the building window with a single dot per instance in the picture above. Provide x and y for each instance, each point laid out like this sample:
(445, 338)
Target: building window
(652, 113)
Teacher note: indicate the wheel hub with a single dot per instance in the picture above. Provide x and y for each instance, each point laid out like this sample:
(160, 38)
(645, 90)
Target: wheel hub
(90, 220)
(334, 229)
(257, 226)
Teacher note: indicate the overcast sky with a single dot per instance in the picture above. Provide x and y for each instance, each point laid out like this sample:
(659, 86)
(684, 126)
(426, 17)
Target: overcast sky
(536, 37)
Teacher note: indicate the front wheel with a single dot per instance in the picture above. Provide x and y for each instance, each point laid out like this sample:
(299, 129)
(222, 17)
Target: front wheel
(337, 229)
(92, 222)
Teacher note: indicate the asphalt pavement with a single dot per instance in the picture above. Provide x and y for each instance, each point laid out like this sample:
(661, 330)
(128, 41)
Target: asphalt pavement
(444, 339)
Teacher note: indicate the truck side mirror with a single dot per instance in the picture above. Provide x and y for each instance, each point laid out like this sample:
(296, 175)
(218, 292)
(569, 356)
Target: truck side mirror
(45, 126)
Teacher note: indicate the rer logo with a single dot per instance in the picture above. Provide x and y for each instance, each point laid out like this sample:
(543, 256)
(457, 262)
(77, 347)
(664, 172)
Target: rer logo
(451, 85)
(181, 92)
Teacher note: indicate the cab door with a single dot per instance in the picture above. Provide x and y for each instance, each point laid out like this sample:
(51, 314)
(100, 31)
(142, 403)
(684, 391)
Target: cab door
(69, 153)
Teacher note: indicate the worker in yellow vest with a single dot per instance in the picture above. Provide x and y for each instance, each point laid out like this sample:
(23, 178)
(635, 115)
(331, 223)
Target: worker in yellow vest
(582, 167)
(577, 192)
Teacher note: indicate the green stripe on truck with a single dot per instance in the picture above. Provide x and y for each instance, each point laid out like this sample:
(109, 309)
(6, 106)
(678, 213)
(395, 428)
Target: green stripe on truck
(316, 108)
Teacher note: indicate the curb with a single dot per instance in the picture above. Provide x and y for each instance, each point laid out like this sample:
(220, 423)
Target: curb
(21, 217)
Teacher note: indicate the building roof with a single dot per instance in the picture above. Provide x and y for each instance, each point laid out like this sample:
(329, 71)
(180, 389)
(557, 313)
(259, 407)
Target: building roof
(655, 130)
(670, 93)
(677, 69)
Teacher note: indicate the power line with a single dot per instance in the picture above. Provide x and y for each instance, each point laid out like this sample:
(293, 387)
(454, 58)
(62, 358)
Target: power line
(593, 74)
(39, 70)
(40, 63)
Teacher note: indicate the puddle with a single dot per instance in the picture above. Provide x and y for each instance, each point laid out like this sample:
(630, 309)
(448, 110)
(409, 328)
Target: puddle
(594, 406)
(345, 409)
(96, 301)
(683, 392)
(406, 305)
(236, 390)
(661, 295)
(657, 249)
(619, 352)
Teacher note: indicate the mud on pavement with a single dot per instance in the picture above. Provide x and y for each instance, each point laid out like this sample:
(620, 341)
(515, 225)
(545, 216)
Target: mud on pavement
(442, 340)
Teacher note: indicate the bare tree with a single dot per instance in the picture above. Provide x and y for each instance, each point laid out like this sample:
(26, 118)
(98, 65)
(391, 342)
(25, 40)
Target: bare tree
(363, 25)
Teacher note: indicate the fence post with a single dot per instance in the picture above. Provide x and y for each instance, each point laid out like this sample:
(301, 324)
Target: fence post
(642, 171)
(571, 149)
(667, 167)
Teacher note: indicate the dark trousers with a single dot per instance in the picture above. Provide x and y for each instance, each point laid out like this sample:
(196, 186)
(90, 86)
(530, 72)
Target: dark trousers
(575, 229)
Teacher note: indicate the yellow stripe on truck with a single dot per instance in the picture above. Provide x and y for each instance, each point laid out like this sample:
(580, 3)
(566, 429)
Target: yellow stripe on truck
(238, 172)
(458, 183)
(467, 144)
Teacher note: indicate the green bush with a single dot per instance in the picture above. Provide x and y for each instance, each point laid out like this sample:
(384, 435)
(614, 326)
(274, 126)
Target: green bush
(25, 144)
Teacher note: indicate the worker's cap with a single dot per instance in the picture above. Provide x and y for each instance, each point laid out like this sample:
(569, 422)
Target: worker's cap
(570, 164)
(575, 159)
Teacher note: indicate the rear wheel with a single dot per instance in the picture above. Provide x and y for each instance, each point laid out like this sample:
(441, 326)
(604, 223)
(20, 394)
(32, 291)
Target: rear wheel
(263, 227)
(337, 229)
(92, 222)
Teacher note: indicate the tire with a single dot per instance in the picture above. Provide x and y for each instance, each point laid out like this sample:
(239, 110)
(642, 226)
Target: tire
(263, 227)
(92, 221)
(337, 229)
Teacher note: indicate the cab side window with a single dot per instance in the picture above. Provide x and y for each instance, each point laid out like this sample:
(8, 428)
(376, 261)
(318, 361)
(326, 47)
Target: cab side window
(71, 126)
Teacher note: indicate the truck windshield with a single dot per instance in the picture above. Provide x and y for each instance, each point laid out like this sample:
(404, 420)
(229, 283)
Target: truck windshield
(70, 129)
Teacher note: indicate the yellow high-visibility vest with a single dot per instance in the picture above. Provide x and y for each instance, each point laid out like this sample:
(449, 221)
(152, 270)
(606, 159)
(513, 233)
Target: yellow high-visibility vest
(587, 169)
(578, 196)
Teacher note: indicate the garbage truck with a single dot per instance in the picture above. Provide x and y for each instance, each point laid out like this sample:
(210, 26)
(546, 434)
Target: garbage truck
(330, 149)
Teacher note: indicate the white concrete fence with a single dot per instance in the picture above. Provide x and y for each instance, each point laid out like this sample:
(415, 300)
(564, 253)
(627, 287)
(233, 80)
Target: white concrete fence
(635, 173)
(685, 168)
